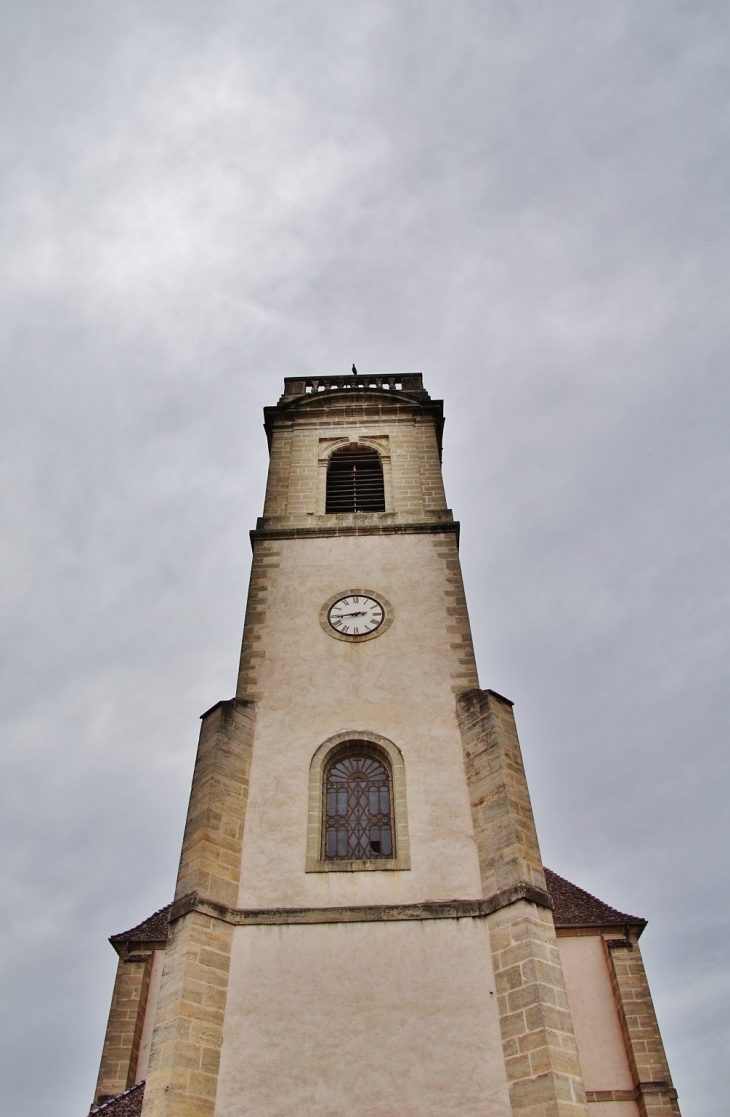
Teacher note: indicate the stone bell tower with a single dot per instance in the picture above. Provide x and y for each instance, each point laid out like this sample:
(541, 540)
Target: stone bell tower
(362, 923)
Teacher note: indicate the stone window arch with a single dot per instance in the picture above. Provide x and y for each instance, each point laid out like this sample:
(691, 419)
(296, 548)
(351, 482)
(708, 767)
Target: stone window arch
(331, 445)
(355, 481)
(357, 805)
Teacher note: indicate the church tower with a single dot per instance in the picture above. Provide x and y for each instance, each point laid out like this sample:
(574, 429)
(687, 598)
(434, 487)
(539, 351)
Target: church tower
(362, 923)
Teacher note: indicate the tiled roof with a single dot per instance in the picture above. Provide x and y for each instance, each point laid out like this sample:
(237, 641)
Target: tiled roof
(153, 929)
(573, 907)
(128, 1104)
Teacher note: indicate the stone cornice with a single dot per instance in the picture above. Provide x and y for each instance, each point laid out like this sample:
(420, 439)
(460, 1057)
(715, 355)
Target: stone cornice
(375, 402)
(372, 913)
(641, 1090)
(322, 531)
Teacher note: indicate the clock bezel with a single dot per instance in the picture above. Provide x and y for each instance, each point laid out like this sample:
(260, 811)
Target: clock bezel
(382, 627)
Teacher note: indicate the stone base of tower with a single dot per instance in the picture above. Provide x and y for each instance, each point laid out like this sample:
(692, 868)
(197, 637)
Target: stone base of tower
(539, 1045)
(402, 1003)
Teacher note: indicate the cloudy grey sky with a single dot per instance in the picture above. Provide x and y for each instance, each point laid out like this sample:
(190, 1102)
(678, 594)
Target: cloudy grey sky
(527, 201)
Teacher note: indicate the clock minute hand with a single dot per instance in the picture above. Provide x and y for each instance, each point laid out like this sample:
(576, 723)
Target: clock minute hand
(360, 614)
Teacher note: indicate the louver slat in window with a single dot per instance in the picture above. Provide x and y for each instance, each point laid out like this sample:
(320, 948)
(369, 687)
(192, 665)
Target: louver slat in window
(355, 481)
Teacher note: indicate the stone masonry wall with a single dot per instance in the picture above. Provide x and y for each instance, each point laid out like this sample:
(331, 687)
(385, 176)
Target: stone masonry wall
(459, 630)
(183, 1073)
(210, 862)
(183, 1069)
(432, 482)
(124, 1029)
(277, 483)
(541, 1055)
(504, 825)
(265, 558)
(653, 1087)
(417, 485)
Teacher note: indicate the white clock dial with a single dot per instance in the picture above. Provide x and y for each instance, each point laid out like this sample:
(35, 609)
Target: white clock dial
(356, 615)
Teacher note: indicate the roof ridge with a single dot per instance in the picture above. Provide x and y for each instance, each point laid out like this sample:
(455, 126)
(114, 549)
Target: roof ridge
(568, 898)
(112, 1101)
(123, 935)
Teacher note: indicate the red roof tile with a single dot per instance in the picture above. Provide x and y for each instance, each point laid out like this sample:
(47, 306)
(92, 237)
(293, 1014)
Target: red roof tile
(153, 929)
(128, 1104)
(574, 907)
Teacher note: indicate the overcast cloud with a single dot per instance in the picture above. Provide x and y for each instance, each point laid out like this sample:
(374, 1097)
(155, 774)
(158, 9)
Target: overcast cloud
(526, 201)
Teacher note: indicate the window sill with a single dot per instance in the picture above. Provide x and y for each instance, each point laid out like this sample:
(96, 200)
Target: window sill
(381, 864)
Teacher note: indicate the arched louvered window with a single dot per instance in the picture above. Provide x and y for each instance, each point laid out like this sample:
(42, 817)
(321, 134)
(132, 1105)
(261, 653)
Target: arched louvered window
(355, 481)
(357, 806)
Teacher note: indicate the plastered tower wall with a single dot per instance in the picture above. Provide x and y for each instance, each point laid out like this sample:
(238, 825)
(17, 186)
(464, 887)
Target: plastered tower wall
(432, 986)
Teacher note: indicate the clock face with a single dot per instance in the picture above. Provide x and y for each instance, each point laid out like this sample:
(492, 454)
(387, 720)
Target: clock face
(356, 615)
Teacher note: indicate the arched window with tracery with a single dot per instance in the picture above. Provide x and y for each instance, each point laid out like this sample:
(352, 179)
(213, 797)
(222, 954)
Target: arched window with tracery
(357, 805)
(355, 481)
(357, 816)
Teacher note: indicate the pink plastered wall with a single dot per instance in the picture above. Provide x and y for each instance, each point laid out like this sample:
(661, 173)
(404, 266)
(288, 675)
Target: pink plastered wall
(601, 1048)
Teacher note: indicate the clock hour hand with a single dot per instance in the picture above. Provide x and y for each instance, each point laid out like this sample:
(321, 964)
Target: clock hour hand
(360, 614)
